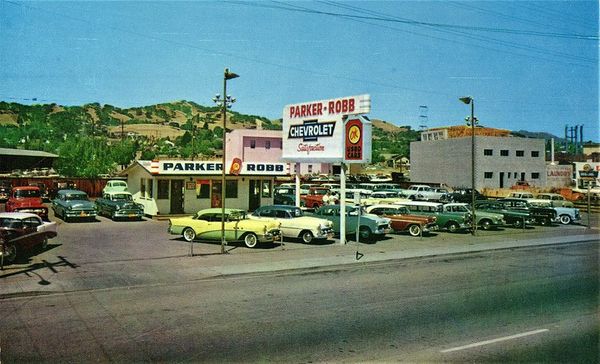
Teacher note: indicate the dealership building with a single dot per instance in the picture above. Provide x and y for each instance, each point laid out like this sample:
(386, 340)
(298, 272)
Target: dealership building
(444, 156)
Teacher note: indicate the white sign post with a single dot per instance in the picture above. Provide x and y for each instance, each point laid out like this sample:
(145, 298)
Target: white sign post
(328, 131)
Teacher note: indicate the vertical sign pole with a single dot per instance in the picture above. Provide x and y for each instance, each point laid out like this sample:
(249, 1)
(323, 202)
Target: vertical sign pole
(297, 191)
(343, 204)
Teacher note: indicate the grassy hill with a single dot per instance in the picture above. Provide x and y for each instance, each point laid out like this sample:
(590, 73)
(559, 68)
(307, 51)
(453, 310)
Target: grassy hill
(178, 129)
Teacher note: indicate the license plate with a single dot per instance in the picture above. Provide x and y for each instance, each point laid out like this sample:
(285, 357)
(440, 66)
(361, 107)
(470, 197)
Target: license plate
(82, 213)
(131, 215)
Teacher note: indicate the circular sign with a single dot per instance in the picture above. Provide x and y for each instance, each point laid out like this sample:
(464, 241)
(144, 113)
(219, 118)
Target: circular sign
(354, 134)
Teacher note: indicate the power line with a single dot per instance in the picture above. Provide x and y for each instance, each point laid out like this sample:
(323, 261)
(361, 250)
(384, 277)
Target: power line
(507, 44)
(436, 25)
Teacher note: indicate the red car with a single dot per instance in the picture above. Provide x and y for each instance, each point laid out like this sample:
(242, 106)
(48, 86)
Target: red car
(27, 199)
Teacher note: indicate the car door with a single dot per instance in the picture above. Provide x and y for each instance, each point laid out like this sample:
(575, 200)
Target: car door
(35, 237)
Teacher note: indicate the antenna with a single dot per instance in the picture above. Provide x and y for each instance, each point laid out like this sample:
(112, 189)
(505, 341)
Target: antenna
(423, 119)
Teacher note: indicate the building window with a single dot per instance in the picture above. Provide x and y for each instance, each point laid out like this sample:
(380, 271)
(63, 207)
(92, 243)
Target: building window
(520, 153)
(488, 152)
(310, 168)
(488, 174)
(535, 153)
(267, 144)
(535, 175)
(163, 189)
(504, 152)
(203, 188)
(231, 189)
(266, 188)
(253, 144)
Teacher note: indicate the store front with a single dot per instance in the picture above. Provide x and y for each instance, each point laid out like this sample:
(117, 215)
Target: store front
(173, 187)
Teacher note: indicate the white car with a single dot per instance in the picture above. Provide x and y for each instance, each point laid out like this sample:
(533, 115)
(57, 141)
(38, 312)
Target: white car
(293, 222)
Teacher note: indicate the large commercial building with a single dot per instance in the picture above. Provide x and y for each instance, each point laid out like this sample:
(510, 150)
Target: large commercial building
(444, 156)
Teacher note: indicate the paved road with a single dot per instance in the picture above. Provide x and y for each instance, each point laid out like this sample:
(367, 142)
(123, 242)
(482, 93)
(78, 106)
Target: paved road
(535, 304)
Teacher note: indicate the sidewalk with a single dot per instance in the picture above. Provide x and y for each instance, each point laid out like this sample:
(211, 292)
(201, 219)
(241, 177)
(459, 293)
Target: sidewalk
(60, 275)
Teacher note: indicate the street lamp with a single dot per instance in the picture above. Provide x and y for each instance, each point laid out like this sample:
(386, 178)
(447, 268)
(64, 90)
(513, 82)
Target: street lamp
(469, 100)
(225, 103)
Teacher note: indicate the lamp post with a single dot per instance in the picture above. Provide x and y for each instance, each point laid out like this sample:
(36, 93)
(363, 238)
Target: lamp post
(225, 103)
(469, 100)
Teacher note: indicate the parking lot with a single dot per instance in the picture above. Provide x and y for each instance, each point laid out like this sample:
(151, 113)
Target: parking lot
(103, 240)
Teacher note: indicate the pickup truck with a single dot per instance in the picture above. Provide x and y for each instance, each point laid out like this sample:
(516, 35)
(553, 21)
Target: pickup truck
(27, 199)
(425, 193)
(119, 204)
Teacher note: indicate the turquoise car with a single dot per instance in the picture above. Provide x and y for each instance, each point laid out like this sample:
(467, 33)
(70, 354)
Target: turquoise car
(73, 205)
(371, 226)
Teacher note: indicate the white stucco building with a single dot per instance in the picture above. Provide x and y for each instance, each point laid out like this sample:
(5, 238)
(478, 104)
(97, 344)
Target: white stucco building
(500, 161)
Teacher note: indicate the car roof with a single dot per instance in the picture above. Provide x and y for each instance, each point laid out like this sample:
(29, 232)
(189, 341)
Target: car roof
(26, 188)
(17, 215)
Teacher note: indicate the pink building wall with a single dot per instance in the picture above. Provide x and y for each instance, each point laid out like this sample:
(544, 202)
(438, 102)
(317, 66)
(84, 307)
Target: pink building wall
(239, 145)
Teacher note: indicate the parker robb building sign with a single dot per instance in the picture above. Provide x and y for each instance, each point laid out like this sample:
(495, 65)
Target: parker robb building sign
(182, 167)
(328, 131)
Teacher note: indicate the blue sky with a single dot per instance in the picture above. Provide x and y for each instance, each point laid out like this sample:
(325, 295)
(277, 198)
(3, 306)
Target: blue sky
(529, 65)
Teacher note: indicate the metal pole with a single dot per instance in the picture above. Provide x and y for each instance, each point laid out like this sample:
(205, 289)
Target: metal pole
(224, 111)
(343, 204)
(474, 222)
(589, 205)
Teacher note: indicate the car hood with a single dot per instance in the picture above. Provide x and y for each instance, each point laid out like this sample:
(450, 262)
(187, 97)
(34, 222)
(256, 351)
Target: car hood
(79, 204)
(27, 202)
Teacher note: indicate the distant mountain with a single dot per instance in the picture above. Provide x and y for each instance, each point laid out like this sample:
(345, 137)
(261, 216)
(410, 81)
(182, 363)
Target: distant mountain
(538, 134)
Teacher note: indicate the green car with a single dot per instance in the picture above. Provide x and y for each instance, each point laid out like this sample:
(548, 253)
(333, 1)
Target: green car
(119, 205)
(514, 218)
(371, 226)
(452, 222)
(485, 220)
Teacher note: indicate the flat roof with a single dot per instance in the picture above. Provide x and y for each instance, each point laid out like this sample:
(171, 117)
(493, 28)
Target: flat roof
(26, 153)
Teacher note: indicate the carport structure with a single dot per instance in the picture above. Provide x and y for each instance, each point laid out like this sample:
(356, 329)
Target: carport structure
(13, 159)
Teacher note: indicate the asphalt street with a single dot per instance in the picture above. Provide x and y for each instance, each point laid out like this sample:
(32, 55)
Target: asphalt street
(536, 304)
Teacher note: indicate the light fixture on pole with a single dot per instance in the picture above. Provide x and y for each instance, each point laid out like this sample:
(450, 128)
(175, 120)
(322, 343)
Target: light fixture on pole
(225, 104)
(469, 100)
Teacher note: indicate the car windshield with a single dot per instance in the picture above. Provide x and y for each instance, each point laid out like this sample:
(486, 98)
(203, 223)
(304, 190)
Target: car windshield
(76, 197)
(27, 193)
(122, 197)
(458, 208)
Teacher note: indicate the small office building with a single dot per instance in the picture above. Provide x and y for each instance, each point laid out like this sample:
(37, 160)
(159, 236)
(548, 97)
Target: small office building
(444, 156)
(167, 187)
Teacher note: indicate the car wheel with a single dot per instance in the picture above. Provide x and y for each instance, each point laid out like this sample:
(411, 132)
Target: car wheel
(518, 223)
(414, 230)
(486, 224)
(365, 233)
(452, 227)
(545, 221)
(250, 240)
(10, 253)
(307, 237)
(189, 234)
(565, 219)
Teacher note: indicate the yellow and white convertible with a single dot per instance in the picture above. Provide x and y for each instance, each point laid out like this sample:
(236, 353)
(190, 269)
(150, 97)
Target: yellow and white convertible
(206, 225)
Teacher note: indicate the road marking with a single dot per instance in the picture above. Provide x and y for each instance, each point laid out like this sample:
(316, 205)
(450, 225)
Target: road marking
(487, 342)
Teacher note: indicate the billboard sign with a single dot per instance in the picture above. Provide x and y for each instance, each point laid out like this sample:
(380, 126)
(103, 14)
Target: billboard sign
(315, 131)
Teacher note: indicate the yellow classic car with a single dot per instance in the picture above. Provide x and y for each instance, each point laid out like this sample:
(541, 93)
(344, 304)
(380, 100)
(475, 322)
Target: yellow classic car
(206, 225)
